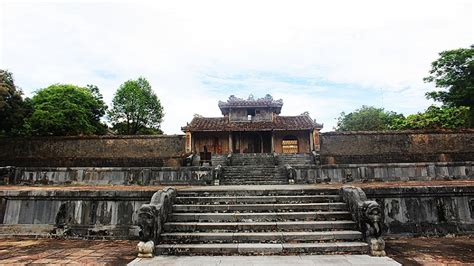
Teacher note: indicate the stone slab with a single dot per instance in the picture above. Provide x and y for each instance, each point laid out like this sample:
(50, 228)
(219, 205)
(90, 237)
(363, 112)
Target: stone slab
(265, 260)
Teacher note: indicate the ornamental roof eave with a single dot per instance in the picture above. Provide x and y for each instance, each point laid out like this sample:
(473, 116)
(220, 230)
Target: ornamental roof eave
(215, 124)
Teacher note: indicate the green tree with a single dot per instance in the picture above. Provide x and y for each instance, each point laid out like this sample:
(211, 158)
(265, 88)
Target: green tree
(13, 108)
(436, 118)
(136, 109)
(63, 109)
(453, 72)
(367, 118)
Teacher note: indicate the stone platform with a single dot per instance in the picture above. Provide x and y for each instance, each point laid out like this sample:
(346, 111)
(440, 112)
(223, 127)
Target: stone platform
(434, 207)
(266, 260)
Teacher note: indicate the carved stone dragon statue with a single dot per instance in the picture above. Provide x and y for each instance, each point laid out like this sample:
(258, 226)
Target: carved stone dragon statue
(151, 218)
(368, 215)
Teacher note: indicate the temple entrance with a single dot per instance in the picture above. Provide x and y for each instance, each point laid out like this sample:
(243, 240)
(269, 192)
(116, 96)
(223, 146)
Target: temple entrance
(289, 144)
(254, 144)
(251, 142)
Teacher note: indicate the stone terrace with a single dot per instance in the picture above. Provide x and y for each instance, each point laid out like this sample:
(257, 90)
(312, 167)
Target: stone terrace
(448, 183)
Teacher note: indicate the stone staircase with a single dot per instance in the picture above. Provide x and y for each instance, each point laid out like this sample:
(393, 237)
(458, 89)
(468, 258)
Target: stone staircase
(217, 159)
(261, 159)
(296, 159)
(253, 175)
(261, 220)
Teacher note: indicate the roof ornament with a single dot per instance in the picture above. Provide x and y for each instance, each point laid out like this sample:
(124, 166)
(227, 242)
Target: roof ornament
(268, 97)
(251, 98)
(232, 98)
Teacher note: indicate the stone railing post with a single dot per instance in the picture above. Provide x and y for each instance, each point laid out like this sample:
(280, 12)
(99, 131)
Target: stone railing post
(368, 215)
(151, 218)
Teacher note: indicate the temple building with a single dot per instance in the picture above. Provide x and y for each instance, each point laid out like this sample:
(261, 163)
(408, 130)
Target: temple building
(252, 126)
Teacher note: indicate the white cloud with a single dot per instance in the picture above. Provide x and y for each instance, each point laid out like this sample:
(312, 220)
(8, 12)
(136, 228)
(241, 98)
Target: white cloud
(380, 49)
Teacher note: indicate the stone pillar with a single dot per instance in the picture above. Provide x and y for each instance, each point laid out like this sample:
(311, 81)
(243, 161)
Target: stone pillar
(316, 143)
(311, 141)
(231, 149)
(273, 143)
(189, 141)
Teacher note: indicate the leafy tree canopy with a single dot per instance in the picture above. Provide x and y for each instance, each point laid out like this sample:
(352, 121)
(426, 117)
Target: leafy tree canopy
(13, 109)
(453, 72)
(136, 109)
(435, 118)
(367, 118)
(64, 109)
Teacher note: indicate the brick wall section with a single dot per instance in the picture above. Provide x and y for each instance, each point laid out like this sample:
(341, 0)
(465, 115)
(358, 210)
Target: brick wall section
(397, 146)
(93, 151)
(157, 151)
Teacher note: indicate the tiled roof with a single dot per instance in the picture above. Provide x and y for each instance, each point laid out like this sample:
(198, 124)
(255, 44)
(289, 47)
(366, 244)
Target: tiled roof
(280, 123)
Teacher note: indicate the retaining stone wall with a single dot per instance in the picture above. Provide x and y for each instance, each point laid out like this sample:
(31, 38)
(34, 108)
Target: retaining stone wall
(426, 210)
(385, 172)
(96, 214)
(113, 214)
(114, 175)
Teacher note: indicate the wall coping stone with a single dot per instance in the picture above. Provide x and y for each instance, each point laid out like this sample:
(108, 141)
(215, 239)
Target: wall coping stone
(417, 191)
(166, 168)
(93, 137)
(419, 164)
(400, 132)
(116, 195)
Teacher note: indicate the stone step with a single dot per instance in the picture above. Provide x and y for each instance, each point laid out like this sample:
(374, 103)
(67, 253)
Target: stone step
(239, 176)
(253, 183)
(229, 169)
(257, 217)
(262, 248)
(248, 173)
(258, 179)
(258, 237)
(258, 226)
(252, 191)
(259, 199)
(252, 163)
(260, 207)
(252, 168)
(246, 182)
(253, 178)
(254, 175)
(270, 179)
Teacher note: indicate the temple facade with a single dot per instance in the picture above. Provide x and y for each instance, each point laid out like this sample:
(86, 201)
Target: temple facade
(252, 126)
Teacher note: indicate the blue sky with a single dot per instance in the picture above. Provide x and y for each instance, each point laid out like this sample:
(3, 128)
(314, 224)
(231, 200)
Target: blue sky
(323, 57)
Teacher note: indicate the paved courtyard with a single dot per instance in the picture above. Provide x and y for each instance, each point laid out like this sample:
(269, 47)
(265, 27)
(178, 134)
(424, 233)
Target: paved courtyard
(432, 250)
(54, 251)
